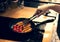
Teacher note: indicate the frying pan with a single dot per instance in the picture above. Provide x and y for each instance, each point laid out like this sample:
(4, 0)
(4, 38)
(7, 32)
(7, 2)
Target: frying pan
(35, 31)
(24, 36)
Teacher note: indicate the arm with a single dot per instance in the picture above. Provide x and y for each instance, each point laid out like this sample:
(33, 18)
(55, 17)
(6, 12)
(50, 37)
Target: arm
(56, 7)
(46, 7)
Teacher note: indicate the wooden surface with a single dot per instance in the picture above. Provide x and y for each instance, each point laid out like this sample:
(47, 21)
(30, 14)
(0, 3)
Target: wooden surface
(26, 12)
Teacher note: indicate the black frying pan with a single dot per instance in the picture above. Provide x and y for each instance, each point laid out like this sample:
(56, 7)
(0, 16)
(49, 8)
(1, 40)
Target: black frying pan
(34, 34)
(24, 36)
(35, 30)
(30, 35)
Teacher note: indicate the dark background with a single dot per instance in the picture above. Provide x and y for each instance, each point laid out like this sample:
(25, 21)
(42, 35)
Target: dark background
(5, 4)
(58, 28)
